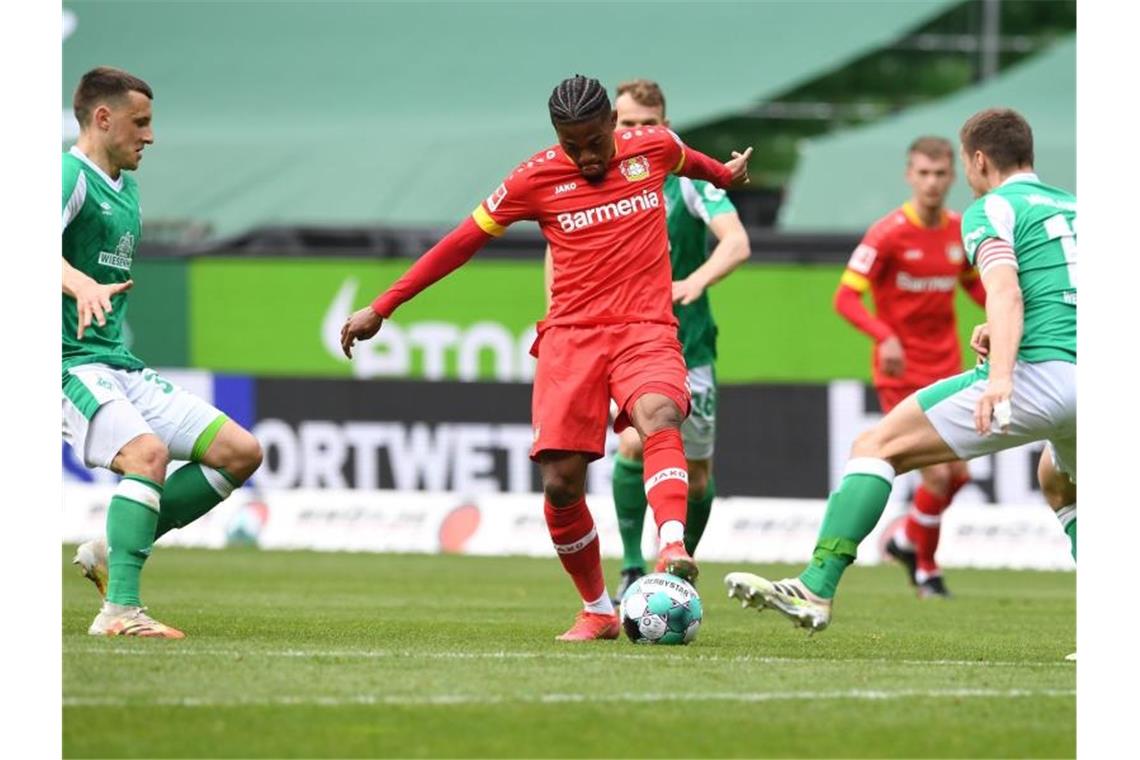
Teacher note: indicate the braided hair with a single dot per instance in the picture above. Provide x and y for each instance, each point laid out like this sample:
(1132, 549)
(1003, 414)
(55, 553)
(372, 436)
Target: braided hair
(578, 99)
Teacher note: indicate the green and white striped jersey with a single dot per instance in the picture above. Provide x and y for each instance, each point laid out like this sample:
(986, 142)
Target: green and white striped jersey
(689, 206)
(1032, 226)
(101, 227)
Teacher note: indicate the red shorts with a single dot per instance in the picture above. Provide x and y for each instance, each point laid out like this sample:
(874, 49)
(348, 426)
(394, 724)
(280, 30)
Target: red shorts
(581, 367)
(889, 398)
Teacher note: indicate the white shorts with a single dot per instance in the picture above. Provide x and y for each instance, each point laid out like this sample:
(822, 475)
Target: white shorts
(105, 408)
(1044, 408)
(698, 431)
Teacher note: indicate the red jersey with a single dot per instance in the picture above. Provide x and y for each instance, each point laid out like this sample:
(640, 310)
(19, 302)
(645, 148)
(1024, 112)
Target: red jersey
(608, 239)
(912, 271)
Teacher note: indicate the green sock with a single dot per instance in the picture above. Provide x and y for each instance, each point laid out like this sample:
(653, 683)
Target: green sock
(698, 517)
(192, 491)
(852, 512)
(131, 518)
(1068, 517)
(630, 502)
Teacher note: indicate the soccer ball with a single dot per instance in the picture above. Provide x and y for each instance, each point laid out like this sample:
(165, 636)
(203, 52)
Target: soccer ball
(661, 609)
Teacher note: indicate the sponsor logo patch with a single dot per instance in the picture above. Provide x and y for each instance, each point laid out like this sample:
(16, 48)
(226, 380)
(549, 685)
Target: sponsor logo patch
(495, 198)
(954, 253)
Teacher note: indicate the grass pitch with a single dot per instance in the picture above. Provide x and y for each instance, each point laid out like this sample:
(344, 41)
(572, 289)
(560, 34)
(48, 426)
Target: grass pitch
(299, 654)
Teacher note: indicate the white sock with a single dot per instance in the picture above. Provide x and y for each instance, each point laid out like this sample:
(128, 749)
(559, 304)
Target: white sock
(602, 605)
(672, 530)
(901, 538)
(1066, 515)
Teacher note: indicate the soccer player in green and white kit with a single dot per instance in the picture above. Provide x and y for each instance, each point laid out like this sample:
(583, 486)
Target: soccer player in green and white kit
(693, 208)
(117, 413)
(1021, 234)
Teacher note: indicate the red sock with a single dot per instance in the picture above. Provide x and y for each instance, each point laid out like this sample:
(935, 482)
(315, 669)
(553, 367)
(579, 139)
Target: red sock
(576, 541)
(924, 525)
(666, 476)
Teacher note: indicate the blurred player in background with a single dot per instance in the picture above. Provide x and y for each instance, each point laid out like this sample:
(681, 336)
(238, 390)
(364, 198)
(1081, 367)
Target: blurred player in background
(610, 331)
(912, 262)
(1021, 234)
(692, 208)
(117, 413)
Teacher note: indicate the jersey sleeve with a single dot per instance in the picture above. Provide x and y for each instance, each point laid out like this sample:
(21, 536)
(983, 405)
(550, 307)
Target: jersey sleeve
(987, 233)
(74, 191)
(705, 200)
(868, 260)
(507, 204)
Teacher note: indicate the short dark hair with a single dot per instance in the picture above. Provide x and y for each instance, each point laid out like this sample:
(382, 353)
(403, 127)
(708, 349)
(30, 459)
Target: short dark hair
(645, 92)
(101, 84)
(931, 147)
(578, 99)
(1002, 134)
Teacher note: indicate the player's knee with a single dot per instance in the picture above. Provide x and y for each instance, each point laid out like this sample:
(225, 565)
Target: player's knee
(629, 447)
(661, 416)
(937, 479)
(146, 456)
(562, 491)
(247, 454)
(869, 443)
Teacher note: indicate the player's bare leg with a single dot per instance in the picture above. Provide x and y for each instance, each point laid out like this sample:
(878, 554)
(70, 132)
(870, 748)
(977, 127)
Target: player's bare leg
(1060, 494)
(576, 541)
(131, 518)
(902, 441)
(658, 421)
(915, 540)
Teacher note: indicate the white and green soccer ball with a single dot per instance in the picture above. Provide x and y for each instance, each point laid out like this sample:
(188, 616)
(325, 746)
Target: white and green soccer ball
(661, 609)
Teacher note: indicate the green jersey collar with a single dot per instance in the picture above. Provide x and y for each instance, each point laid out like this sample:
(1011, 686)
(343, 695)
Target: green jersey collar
(117, 186)
(1021, 177)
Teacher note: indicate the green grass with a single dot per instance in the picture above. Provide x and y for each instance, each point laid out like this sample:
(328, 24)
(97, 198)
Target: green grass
(298, 654)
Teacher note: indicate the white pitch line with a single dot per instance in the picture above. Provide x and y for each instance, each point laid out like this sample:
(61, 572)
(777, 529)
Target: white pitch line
(593, 654)
(442, 700)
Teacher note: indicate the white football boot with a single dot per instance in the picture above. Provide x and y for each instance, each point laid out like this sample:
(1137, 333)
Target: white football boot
(789, 597)
(123, 620)
(91, 556)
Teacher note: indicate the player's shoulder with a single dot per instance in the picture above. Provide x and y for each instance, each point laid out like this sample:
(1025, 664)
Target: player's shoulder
(538, 167)
(634, 140)
(954, 218)
(888, 225)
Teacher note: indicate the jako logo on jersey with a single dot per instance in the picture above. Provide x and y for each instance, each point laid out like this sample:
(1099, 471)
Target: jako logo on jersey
(635, 169)
(925, 284)
(495, 198)
(565, 188)
(607, 212)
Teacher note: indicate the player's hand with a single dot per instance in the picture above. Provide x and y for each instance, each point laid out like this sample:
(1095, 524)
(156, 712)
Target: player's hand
(361, 325)
(93, 302)
(738, 164)
(686, 291)
(992, 412)
(980, 341)
(892, 359)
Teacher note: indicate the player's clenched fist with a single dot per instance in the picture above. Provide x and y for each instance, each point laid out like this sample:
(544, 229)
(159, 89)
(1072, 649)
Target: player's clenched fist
(362, 325)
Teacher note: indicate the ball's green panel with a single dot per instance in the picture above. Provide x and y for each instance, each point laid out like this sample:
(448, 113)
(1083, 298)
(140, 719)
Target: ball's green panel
(672, 637)
(660, 603)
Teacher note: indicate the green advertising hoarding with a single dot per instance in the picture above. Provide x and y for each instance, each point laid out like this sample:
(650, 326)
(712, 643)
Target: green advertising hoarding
(282, 317)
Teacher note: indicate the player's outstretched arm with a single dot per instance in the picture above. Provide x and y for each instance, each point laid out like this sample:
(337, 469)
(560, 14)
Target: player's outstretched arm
(732, 173)
(732, 250)
(1004, 315)
(453, 251)
(92, 300)
(973, 286)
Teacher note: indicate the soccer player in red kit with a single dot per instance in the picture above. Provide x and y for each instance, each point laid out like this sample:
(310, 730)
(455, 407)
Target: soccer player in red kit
(912, 261)
(609, 332)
